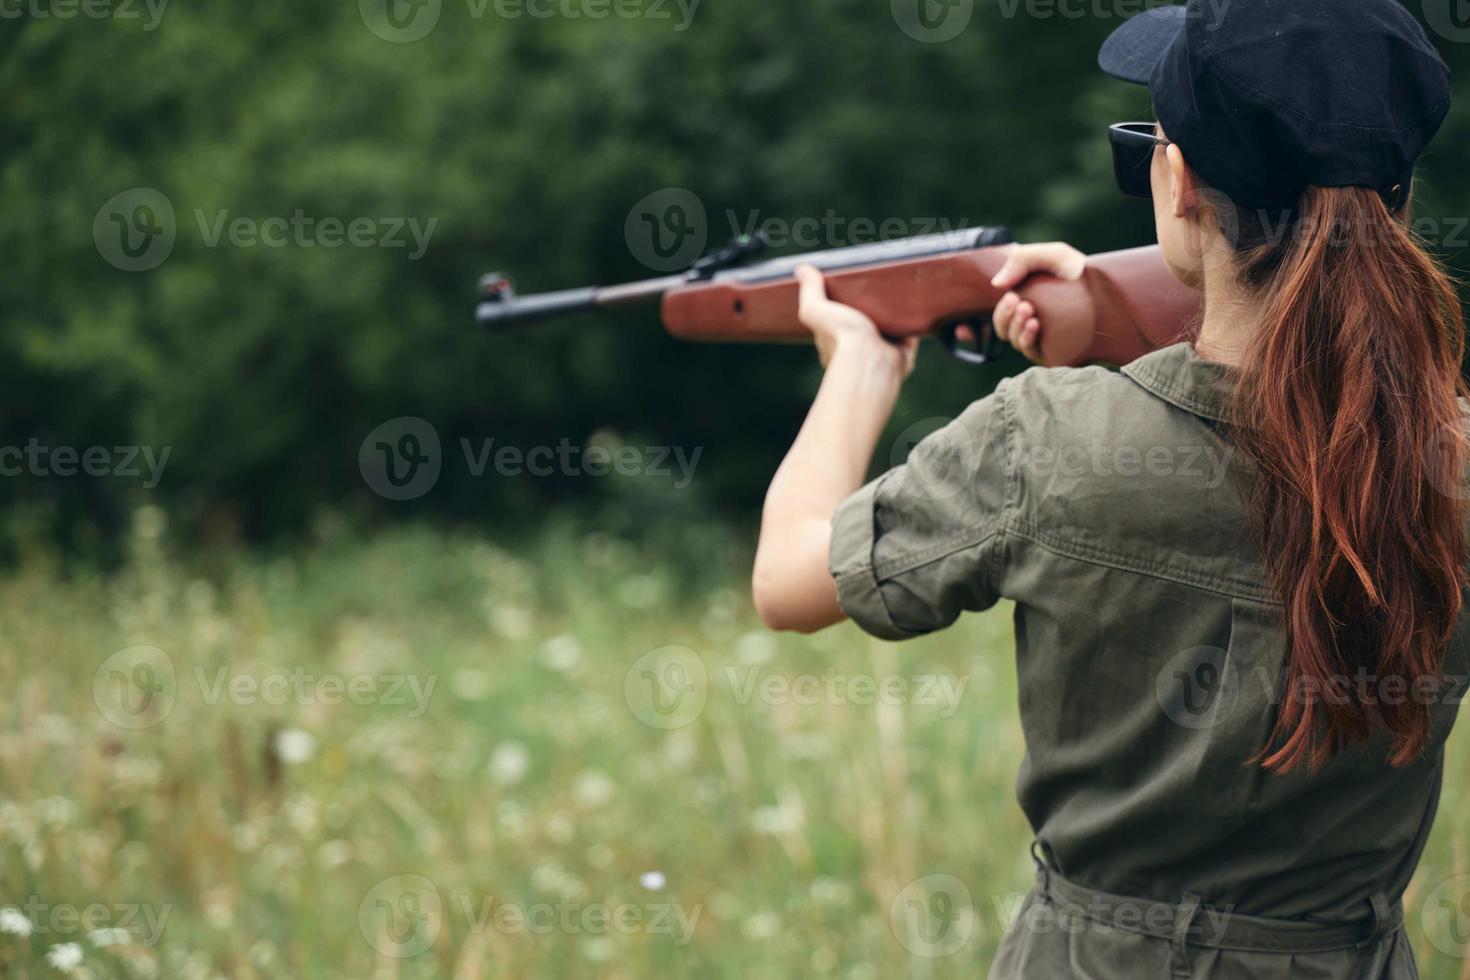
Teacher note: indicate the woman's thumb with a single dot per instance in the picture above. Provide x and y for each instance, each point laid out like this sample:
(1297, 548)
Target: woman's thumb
(1012, 271)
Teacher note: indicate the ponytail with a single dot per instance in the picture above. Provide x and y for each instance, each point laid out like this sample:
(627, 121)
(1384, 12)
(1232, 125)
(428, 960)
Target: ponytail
(1349, 412)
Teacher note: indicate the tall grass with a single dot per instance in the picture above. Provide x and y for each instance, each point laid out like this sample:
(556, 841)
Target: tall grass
(432, 755)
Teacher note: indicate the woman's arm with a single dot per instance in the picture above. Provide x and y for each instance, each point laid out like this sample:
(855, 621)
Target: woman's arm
(828, 461)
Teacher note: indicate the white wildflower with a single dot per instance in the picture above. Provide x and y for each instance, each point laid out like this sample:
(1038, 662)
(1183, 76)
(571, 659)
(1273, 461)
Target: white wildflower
(110, 936)
(54, 729)
(680, 750)
(262, 954)
(64, 957)
(56, 810)
(14, 922)
(148, 523)
(808, 745)
(509, 763)
(247, 837)
(303, 814)
(562, 654)
(334, 853)
(593, 788)
(755, 648)
(219, 908)
(598, 949)
(654, 881)
(294, 746)
(762, 925)
(134, 856)
(137, 771)
(560, 827)
(784, 818)
(554, 879)
(471, 685)
(512, 818)
(511, 622)
(826, 890)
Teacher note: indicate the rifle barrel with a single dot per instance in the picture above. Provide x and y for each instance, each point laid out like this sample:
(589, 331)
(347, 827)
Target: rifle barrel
(506, 310)
(501, 306)
(638, 292)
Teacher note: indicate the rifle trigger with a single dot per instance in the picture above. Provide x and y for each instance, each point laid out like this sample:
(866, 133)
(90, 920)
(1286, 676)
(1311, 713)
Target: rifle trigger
(987, 347)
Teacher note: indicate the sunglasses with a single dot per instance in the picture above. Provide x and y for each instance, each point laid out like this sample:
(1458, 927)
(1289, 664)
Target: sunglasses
(1133, 146)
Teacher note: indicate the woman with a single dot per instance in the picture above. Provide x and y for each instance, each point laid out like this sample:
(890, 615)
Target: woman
(1238, 564)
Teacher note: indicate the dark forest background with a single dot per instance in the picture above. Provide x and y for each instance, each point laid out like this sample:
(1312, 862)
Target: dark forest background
(531, 142)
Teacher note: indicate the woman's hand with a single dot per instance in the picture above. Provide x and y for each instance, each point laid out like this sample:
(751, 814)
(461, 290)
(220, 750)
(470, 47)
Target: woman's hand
(1014, 319)
(837, 326)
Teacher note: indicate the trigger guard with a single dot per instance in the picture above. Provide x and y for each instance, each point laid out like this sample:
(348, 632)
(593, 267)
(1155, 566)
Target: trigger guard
(987, 350)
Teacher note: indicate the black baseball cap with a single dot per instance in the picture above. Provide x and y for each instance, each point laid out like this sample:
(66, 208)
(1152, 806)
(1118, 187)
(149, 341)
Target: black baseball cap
(1267, 97)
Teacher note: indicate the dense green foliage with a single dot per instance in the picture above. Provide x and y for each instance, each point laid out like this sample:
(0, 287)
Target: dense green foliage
(527, 141)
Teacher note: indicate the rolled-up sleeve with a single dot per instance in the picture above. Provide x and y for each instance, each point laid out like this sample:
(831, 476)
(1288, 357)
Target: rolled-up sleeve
(918, 546)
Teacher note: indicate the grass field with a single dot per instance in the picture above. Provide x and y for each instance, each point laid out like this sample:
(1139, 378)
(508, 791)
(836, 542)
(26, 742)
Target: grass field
(431, 755)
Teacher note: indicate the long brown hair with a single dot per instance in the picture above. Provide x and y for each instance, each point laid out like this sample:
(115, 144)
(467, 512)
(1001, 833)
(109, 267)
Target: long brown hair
(1348, 409)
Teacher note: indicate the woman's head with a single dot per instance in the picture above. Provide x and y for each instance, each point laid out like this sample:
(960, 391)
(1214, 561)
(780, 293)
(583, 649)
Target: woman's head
(1147, 164)
(1280, 176)
(1259, 100)
(1209, 239)
(1192, 221)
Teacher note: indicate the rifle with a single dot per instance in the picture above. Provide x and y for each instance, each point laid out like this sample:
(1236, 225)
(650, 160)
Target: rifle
(1125, 305)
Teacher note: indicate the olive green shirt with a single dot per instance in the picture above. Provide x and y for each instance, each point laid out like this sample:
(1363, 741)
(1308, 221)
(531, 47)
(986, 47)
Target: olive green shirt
(1149, 650)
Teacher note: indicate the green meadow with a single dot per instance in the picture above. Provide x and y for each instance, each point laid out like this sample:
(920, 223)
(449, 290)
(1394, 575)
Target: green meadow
(433, 754)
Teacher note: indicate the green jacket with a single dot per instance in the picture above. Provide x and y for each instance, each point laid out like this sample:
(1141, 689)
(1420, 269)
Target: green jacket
(1149, 650)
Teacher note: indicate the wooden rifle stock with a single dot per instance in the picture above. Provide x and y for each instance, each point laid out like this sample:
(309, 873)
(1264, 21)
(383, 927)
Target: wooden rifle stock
(1126, 304)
